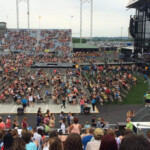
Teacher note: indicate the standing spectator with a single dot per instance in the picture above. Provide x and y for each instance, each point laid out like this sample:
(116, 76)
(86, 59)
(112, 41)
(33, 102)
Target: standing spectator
(87, 125)
(82, 105)
(46, 119)
(8, 142)
(24, 123)
(39, 111)
(108, 143)
(18, 144)
(48, 113)
(68, 118)
(129, 124)
(71, 118)
(56, 144)
(8, 122)
(38, 138)
(52, 122)
(39, 119)
(93, 121)
(73, 142)
(148, 135)
(63, 126)
(2, 124)
(95, 144)
(99, 124)
(64, 102)
(87, 138)
(31, 144)
(75, 128)
(30, 100)
(93, 104)
(15, 122)
(135, 142)
(61, 117)
(24, 103)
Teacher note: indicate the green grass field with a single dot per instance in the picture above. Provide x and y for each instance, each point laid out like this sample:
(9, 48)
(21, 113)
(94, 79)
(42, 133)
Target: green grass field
(136, 94)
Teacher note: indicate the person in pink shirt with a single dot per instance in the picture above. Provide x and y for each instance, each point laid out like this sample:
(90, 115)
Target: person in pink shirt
(2, 124)
(8, 122)
(76, 127)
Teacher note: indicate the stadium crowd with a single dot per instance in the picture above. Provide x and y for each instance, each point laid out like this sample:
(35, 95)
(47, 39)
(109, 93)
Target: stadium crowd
(110, 82)
(94, 136)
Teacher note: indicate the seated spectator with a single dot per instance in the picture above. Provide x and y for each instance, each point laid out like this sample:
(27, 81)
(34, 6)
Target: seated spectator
(73, 142)
(95, 144)
(135, 142)
(2, 97)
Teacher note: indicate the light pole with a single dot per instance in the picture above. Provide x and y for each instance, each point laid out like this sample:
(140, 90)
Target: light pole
(71, 17)
(121, 35)
(91, 21)
(81, 21)
(39, 22)
(28, 14)
(17, 13)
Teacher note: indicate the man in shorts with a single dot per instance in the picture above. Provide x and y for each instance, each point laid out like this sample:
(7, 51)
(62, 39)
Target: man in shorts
(24, 103)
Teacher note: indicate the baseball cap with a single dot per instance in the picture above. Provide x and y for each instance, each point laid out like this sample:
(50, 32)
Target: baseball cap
(98, 132)
(8, 116)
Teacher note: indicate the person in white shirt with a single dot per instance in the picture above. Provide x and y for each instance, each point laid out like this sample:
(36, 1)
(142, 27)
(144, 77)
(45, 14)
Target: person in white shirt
(95, 144)
(38, 138)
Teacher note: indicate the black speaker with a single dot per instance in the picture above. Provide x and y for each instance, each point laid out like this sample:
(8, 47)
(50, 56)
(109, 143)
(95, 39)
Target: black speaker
(87, 110)
(121, 125)
(20, 110)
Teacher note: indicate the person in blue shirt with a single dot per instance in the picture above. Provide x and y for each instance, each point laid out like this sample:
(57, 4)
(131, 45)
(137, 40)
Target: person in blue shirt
(93, 103)
(24, 103)
(31, 144)
(87, 138)
(87, 125)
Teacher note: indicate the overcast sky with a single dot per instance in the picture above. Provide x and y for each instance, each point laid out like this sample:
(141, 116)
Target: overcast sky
(108, 16)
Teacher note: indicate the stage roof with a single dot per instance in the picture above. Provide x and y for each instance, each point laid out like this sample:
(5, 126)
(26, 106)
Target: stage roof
(84, 46)
(136, 3)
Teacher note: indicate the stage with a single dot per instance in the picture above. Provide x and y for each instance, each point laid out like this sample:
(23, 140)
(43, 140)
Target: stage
(54, 108)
